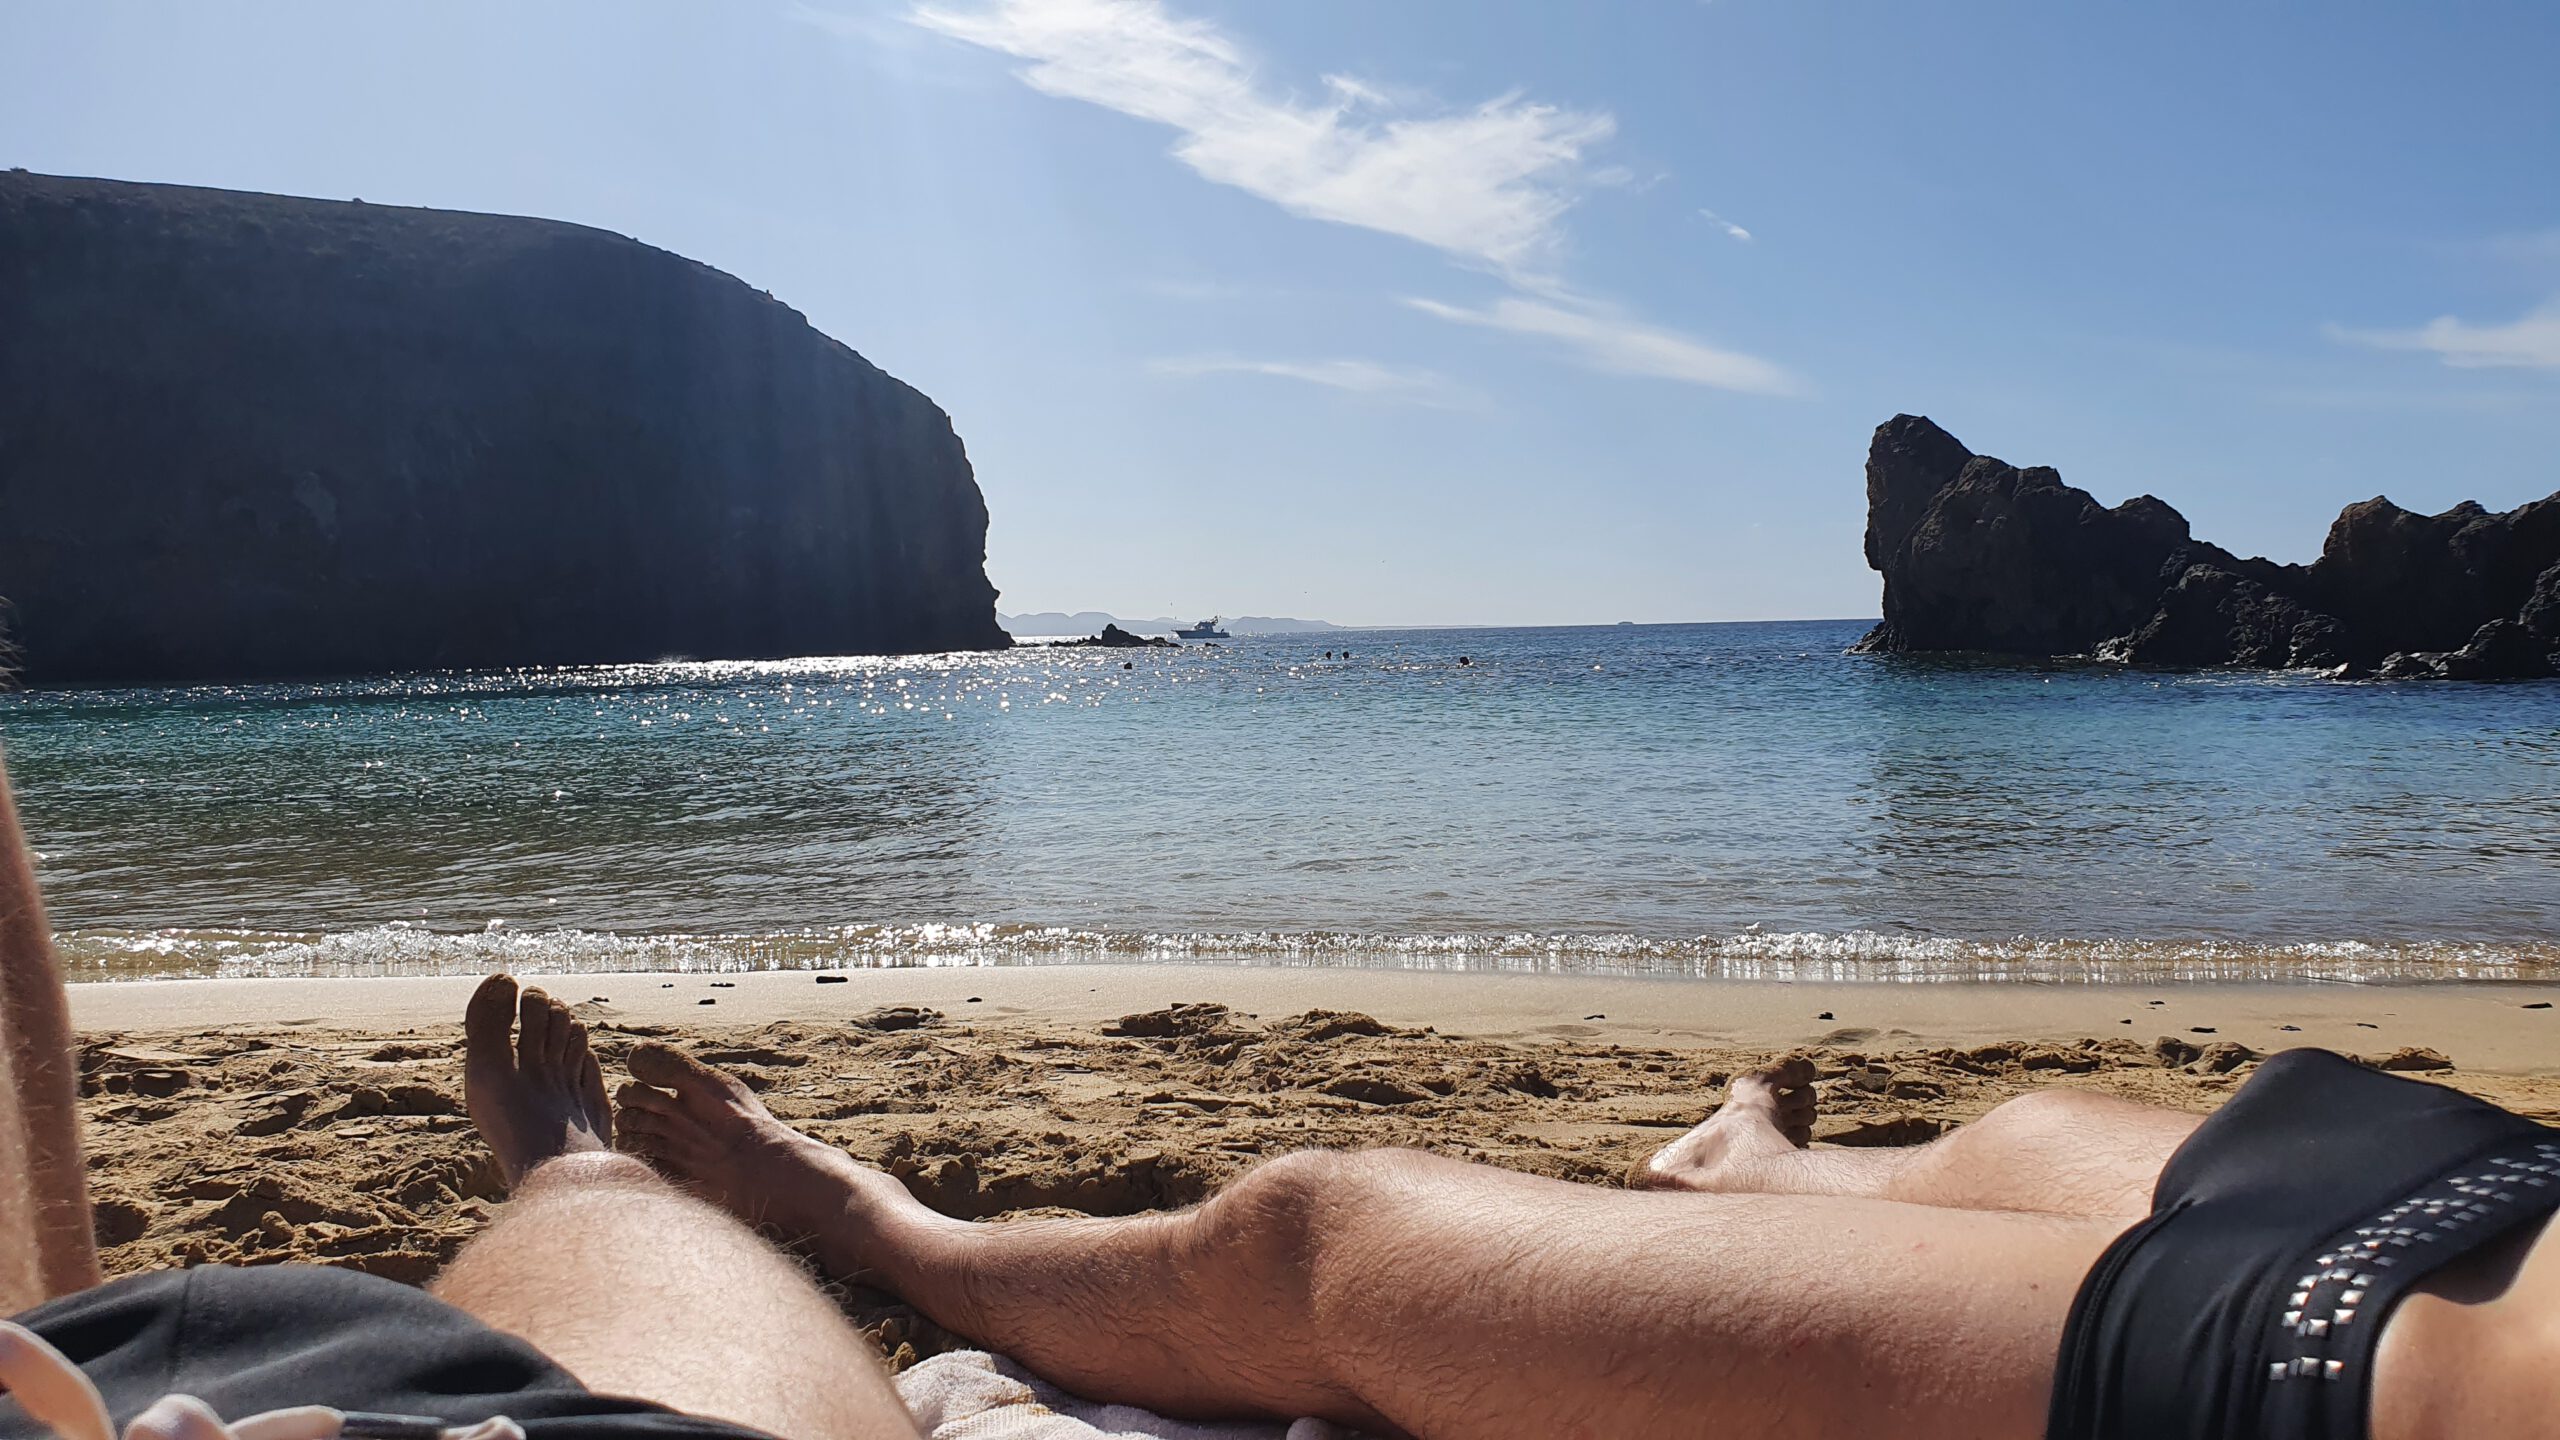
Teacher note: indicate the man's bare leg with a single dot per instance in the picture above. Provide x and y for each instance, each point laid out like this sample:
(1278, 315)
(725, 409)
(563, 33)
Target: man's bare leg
(634, 1287)
(2053, 1152)
(1414, 1294)
(46, 1238)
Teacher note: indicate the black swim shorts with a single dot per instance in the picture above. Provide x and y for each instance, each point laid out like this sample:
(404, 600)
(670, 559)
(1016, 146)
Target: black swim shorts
(269, 1337)
(2250, 1304)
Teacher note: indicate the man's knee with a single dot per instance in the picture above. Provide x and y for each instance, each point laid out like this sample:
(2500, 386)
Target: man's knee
(2052, 1111)
(1299, 1215)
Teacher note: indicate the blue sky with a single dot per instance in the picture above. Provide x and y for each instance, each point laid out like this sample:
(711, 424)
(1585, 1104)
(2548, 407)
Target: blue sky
(1493, 311)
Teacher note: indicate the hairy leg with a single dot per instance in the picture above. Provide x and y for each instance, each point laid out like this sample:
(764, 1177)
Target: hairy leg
(2053, 1152)
(47, 1246)
(1414, 1294)
(633, 1286)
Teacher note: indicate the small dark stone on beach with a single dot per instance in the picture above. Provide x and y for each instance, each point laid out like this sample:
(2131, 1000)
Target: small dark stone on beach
(2367, 1025)
(1825, 1015)
(669, 985)
(706, 1000)
(1595, 1017)
(2155, 1002)
(2199, 1029)
(833, 979)
(2537, 1005)
(2289, 1027)
(2124, 1022)
(724, 985)
(976, 999)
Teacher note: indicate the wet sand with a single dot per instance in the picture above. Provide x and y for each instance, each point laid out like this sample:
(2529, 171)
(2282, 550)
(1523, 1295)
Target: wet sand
(264, 1120)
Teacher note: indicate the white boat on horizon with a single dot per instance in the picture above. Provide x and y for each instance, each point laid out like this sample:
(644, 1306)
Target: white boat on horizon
(1204, 630)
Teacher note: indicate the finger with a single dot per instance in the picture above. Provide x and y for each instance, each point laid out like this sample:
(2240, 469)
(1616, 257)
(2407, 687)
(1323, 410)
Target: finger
(50, 1388)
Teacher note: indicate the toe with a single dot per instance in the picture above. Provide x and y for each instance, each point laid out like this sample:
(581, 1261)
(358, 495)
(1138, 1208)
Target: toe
(568, 1039)
(636, 1096)
(534, 1012)
(695, 1084)
(1796, 1072)
(488, 1022)
(591, 1095)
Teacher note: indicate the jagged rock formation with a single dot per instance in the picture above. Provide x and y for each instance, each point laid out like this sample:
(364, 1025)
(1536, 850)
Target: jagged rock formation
(1980, 555)
(1115, 638)
(250, 436)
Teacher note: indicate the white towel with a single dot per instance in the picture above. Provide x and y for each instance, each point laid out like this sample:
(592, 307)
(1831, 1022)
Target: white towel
(972, 1395)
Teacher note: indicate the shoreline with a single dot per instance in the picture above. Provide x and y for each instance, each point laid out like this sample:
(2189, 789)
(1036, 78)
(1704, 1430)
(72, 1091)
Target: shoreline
(2483, 1025)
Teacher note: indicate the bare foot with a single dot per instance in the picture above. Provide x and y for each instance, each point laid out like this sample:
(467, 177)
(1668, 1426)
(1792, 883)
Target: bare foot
(531, 1082)
(1767, 1115)
(708, 1131)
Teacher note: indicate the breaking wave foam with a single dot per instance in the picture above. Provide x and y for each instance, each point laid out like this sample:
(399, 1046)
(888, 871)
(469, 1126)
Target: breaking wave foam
(1855, 955)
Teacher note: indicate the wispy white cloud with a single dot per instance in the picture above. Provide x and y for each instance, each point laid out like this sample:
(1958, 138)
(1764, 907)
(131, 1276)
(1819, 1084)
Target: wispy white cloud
(1487, 183)
(1727, 226)
(1602, 339)
(1412, 386)
(2531, 341)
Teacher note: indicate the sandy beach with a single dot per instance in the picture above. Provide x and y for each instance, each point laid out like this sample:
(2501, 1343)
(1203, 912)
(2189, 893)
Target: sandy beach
(264, 1120)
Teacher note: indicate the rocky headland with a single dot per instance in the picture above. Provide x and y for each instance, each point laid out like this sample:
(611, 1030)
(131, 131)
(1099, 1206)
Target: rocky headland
(248, 436)
(1981, 555)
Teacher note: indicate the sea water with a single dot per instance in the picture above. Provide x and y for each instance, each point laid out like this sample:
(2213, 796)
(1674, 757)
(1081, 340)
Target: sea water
(1711, 800)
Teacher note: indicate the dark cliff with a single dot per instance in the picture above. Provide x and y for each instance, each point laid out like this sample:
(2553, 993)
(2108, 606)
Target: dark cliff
(248, 435)
(1980, 555)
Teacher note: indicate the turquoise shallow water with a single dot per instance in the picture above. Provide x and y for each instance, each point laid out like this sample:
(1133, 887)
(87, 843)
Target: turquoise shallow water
(1705, 800)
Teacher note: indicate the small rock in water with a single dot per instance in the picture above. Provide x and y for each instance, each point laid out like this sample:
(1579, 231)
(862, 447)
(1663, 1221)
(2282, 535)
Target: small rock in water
(833, 979)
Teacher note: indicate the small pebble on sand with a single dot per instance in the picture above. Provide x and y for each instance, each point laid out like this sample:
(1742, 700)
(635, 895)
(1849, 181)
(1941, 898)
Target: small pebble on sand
(1825, 1015)
(2199, 1029)
(706, 1000)
(832, 979)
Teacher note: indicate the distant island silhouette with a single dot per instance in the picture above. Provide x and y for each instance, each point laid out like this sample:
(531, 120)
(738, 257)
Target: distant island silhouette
(1090, 622)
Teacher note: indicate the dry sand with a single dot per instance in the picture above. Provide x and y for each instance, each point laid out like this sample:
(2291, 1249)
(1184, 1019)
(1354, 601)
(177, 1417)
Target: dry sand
(263, 1120)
